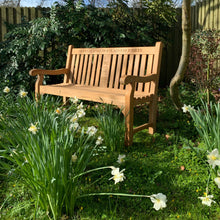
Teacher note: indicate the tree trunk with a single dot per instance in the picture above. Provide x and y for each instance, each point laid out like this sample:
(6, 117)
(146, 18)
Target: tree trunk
(184, 60)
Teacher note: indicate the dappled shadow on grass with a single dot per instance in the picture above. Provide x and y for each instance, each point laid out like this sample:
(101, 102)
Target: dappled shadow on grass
(152, 166)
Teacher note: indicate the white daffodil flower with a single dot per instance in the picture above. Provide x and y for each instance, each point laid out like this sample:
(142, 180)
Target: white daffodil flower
(75, 126)
(118, 176)
(217, 181)
(53, 179)
(6, 89)
(58, 111)
(91, 130)
(80, 106)
(99, 140)
(186, 108)
(74, 118)
(159, 201)
(80, 113)
(23, 94)
(214, 158)
(207, 200)
(121, 158)
(74, 100)
(33, 128)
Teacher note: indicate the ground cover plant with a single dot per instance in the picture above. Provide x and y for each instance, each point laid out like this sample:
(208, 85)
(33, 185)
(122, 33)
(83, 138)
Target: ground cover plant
(38, 160)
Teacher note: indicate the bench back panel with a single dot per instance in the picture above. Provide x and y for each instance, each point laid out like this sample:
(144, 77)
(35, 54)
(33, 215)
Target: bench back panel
(103, 67)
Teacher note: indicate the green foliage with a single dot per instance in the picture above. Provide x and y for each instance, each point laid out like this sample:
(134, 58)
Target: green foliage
(43, 156)
(163, 162)
(202, 71)
(42, 43)
(111, 123)
(207, 122)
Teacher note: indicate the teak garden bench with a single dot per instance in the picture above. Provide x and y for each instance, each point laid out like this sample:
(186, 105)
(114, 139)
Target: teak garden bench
(123, 76)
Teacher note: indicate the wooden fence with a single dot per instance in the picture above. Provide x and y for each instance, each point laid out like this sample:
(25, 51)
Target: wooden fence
(9, 15)
(204, 15)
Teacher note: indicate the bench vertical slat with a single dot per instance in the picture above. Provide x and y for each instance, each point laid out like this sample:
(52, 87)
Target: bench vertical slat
(95, 58)
(98, 70)
(112, 74)
(124, 68)
(142, 71)
(130, 65)
(105, 70)
(136, 67)
(79, 77)
(76, 69)
(89, 70)
(84, 74)
(72, 69)
(149, 71)
(118, 71)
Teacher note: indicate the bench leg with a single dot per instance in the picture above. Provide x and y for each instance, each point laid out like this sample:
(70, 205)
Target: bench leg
(152, 116)
(129, 119)
(38, 83)
(65, 100)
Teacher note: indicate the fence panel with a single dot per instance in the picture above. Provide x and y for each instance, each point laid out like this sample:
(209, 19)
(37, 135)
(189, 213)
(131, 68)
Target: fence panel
(15, 15)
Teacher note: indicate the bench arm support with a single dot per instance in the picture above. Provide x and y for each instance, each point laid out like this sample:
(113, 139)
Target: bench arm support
(35, 72)
(137, 79)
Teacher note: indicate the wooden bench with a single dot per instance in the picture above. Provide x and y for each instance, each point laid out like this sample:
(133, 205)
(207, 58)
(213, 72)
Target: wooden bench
(124, 76)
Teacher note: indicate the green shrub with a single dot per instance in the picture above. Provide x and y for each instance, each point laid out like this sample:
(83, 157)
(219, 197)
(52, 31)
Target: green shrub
(202, 71)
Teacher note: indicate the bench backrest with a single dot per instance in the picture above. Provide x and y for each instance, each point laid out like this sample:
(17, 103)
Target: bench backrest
(103, 67)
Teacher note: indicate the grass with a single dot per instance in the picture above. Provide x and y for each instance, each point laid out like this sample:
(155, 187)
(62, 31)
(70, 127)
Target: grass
(164, 162)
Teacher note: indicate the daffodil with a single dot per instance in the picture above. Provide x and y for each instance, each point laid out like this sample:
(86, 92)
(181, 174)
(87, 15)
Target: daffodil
(214, 158)
(159, 201)
(74, 118)
(91, 130)
(118, 176)
(207, 200)
(217, 181)
(53, 179)
(23, 94)
(186, 108)
(121, 158)
(74, 126)
(33, 128)
(80, 106)
(6, 89)
(80, 113)
(58, 111)
(99, 140)
(74, 100)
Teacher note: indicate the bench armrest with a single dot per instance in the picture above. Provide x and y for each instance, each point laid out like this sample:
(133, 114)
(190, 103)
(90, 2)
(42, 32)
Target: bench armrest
(137, 79)
(35, 72)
